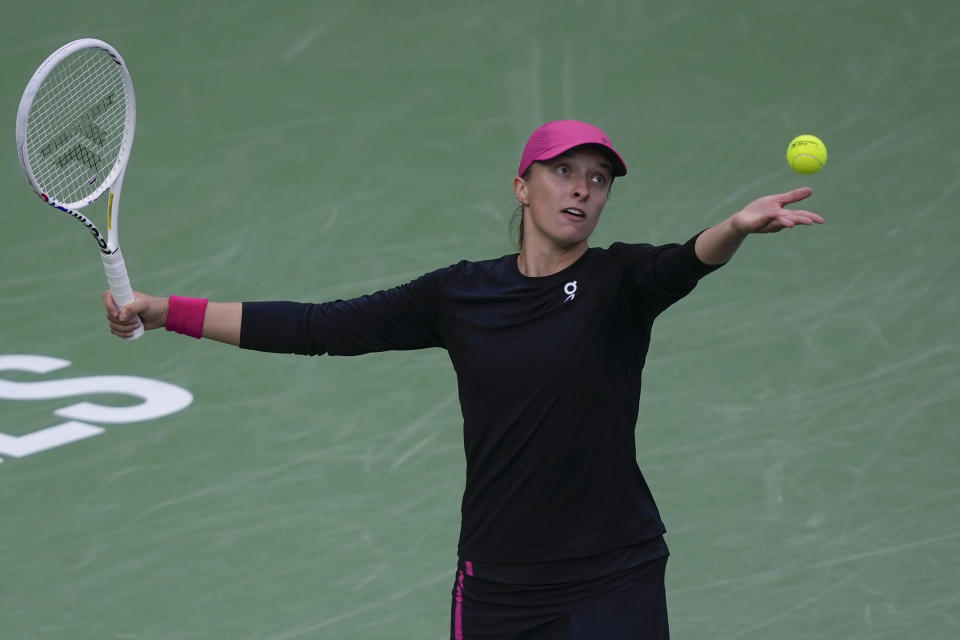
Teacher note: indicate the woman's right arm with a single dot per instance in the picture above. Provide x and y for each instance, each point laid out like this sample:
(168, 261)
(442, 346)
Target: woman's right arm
(221, 321)
(403, 317)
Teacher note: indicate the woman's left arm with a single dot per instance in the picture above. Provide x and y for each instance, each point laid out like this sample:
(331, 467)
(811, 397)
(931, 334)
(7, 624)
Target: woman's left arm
(717, 244)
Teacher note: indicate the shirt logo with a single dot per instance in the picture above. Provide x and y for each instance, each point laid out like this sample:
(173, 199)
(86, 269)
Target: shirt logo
(571, 290)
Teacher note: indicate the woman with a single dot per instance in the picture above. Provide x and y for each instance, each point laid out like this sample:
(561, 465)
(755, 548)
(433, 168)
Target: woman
(560, 536)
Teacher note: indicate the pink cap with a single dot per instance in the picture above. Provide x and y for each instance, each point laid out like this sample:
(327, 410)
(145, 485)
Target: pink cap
(557, 137)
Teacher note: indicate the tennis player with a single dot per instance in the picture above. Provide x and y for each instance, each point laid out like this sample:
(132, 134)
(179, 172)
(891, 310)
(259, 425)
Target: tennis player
(560, 536)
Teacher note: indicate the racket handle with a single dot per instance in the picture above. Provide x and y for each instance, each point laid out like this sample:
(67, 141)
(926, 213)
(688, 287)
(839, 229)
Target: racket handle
(119, 283)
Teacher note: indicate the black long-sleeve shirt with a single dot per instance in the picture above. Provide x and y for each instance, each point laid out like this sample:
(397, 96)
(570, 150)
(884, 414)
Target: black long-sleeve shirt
(549, 377)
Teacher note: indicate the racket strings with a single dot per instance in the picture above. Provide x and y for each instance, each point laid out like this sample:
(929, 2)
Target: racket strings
(76, 125)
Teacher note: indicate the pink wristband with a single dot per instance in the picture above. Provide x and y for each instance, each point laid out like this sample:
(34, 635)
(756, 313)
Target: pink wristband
(185, 315)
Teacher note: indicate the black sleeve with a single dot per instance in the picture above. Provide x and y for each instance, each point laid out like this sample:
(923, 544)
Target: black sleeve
(662, 275)
(401, 318)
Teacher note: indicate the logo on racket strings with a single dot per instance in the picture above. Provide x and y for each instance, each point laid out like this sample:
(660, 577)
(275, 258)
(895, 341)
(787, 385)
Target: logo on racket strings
(87, 127)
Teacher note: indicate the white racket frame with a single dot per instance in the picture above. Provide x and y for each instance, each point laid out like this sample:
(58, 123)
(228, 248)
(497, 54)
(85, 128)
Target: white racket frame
(113, 263)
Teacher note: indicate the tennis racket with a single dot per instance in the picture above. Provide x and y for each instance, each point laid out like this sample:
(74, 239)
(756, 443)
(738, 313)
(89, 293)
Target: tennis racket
(74, 132)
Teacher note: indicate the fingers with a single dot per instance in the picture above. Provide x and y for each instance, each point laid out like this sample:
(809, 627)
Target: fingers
(129, 310)
(799, 216)
(108, 302)
(796, 195)
(123, 328)
(124, 321)
(769, 213)
(790, 218)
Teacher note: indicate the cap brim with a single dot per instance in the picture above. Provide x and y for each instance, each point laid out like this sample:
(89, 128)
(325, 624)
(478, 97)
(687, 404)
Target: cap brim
(619, 166)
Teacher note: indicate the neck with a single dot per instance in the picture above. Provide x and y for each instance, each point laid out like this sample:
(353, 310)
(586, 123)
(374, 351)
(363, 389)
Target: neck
(535, 263)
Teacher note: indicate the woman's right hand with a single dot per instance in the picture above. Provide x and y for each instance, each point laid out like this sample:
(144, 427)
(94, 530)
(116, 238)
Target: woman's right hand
(146, 310)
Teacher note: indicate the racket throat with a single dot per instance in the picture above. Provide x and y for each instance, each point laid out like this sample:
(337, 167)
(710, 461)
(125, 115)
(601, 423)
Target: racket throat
(82, 219)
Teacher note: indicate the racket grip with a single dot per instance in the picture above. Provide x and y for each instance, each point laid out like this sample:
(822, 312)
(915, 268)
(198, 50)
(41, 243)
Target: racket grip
(119, 283)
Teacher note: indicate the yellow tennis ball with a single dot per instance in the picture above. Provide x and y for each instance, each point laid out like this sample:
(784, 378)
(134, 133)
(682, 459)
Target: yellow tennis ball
(806, 154)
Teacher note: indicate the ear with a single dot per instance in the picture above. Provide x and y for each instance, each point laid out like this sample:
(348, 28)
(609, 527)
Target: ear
(520, 190)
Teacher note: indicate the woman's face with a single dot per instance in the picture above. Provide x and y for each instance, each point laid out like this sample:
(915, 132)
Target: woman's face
(564, 197)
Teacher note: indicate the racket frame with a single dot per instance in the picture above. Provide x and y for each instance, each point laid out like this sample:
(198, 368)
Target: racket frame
(109, 246)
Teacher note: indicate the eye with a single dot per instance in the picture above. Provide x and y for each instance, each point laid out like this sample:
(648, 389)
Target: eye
(562, 169)
(600, 179)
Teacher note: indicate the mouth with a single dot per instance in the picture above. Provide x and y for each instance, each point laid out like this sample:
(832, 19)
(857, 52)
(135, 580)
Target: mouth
(575, 212)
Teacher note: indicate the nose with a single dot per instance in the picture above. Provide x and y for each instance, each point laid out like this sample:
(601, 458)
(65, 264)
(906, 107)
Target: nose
(581, 188)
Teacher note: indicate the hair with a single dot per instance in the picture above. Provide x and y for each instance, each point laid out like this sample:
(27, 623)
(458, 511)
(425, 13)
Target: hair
(516, 220)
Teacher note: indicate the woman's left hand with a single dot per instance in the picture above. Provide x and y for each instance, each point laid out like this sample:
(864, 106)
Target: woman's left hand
(768, 215)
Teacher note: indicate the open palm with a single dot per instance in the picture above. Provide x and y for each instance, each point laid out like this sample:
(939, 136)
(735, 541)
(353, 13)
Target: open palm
(769, 215)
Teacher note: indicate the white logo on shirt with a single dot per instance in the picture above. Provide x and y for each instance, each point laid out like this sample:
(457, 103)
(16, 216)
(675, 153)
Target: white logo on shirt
(571, 290)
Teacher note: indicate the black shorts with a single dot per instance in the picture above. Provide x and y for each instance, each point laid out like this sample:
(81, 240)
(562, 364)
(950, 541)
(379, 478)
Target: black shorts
(628, 604)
